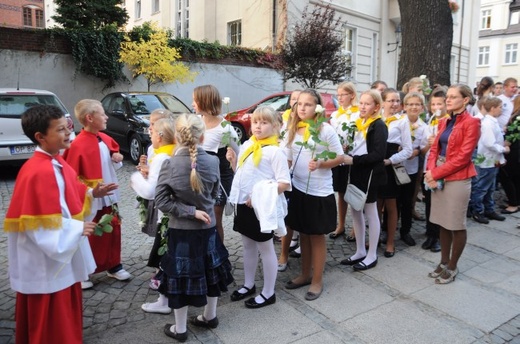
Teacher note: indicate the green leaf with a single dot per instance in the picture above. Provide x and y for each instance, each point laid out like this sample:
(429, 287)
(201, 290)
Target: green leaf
(162, 250)
(108, 228)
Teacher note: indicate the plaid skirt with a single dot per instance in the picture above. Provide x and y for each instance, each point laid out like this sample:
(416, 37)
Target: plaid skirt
(195, 266)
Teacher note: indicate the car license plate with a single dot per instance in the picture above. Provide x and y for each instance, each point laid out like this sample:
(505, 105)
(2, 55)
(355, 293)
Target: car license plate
(17, 150)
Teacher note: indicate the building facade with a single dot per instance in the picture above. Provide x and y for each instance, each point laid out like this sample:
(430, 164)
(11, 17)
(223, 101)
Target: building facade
(499, 39)
(27, 14)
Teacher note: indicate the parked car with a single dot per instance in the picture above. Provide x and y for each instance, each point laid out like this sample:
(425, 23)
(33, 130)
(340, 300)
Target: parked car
(14, 145)
(241, 119)
(129, 117)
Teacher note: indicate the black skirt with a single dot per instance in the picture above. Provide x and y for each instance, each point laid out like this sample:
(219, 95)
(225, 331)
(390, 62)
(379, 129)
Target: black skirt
(340, 178)
(195, 266)
(226, 176)
(390, 189)
(311, 214)
(247, 224)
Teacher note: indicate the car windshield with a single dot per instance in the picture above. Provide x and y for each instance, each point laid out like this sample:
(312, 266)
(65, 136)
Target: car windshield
(13, 105)
(144, 104)
(277, 103)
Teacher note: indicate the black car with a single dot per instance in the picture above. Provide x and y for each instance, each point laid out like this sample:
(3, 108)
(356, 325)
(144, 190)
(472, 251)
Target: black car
(129, 114)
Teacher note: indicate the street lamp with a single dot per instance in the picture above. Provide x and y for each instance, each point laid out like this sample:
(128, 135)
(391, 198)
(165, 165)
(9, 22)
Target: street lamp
(397, 39)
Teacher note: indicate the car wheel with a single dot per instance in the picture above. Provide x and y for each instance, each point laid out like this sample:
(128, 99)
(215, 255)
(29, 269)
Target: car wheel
(136, 148)
(241, 133)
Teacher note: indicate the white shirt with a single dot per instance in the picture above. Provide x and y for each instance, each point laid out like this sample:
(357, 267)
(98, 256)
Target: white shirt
(399, 133)
(337, 123)
(213, 137)
(491, 143)
(417, 133)
(272, 166)
(320, 181)
(45, 261)
(507, 110)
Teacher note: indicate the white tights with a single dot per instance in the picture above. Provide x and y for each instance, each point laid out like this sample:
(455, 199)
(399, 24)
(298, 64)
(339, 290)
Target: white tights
(374, 227)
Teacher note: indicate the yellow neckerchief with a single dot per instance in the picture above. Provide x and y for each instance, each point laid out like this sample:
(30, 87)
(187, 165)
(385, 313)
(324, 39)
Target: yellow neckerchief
(435, 121)
(390, 119)
(306, 133)
(285, 115)
(256, 149)
(363, 127)
(168, 149)
(351, 109)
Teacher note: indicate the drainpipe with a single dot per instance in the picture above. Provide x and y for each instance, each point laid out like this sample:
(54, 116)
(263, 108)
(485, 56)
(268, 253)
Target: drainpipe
(460, 40)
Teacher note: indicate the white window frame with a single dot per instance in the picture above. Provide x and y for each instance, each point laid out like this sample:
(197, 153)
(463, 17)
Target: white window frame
(156, 6)
(515, 18)
(350, 48)
(485, 19)
(137, 9)
(511, 54)
(235, 33)
(483, 56)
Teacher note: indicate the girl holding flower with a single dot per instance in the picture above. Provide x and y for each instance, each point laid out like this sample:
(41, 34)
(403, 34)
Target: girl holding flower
(343, 121)
(312, 208)
(218, 139)
(367, 173)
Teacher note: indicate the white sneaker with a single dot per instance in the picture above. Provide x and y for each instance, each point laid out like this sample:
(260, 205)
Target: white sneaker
(156, 307)
(121, 275)
(86, 284)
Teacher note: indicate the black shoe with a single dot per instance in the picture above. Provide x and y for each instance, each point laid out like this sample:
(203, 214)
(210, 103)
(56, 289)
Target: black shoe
(237, 296)
(480, 218)
(361, 266)
(213, 323)
(428, 243)
(495, 216)
(407, 239)
(295, 254)
(389, 254)
(251, 303)
(349, 261)
(181, 337)
(436, 246)
(292, 248)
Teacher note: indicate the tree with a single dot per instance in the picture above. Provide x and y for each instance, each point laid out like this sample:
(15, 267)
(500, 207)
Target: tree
(90, 14)
(154, 59)
(312, 54)
(427, 36)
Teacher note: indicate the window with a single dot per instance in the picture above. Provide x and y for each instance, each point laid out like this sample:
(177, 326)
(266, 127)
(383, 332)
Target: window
(483, 56)
(515, 18)
(27, 16)
(349, 47)
(138, 9)
(235, 33)
(485, 20)
(511, 50)
(182, 20)
(38, 15)
(155, 6)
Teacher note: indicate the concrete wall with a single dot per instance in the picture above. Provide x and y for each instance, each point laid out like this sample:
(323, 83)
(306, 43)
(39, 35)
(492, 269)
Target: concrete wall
(56, 73)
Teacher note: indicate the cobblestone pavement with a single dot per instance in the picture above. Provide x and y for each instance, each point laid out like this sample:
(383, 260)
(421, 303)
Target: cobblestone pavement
(112, 308)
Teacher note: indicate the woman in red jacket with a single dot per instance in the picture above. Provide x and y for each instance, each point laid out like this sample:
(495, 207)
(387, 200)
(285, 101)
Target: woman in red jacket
(448, 174)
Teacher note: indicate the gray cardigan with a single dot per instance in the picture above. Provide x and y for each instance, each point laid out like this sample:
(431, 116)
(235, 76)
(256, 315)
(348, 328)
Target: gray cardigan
(174, 196)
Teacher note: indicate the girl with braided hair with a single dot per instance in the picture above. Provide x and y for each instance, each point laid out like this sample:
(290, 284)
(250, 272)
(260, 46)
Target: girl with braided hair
(196, 265)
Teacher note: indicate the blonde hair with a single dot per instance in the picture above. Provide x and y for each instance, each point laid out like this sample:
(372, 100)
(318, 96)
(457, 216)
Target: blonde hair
(413, 82)
(85, 107)
(165, 128)
(376, 96)
(208, 99)
(188, 131)
(414, 95)
(267, 113)
(349, 87)
(162, 113)
(292, 126)
(491, 102)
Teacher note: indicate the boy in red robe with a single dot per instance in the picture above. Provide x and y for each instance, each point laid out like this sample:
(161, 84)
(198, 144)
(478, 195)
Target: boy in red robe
(48, 254)
(95, 157)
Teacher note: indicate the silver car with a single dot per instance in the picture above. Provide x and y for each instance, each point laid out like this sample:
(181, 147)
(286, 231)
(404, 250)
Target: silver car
(14, 145)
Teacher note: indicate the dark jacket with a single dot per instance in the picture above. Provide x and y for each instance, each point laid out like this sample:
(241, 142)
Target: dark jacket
(174, 196)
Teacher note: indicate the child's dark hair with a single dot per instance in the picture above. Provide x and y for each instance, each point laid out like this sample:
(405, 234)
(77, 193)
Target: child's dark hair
(38, 119)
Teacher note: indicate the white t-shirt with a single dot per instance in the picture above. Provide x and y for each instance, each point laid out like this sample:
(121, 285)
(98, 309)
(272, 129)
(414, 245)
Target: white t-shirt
(399, 133)
(213, 137)
(507, 110)
(320, 181)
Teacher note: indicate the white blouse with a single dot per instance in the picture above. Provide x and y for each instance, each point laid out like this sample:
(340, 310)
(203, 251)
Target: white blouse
(399, 133)
(213, 137)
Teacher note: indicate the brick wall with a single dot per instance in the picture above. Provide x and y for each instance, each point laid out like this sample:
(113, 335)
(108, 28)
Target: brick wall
(33, 40)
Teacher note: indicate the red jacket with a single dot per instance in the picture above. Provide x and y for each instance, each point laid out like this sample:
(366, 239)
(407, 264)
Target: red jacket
(461, 144)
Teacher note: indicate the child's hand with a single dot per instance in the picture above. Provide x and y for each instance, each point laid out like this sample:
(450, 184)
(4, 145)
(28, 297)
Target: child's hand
(88, 228)
(144, 169)
(248, 203)
(102, 190)
(314, 165)
(231, 156)
(431, 138)
(507, 149)
(143, 160)
(117, 157)
(203, 216)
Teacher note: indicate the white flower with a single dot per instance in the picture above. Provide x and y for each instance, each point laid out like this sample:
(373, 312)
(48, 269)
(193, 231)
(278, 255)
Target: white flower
(141, 224)
(319, 109)
(437, 113)
(422, 77)
(225, 100)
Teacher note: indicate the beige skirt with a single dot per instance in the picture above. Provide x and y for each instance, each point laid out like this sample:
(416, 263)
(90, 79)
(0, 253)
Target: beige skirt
(449, 205)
